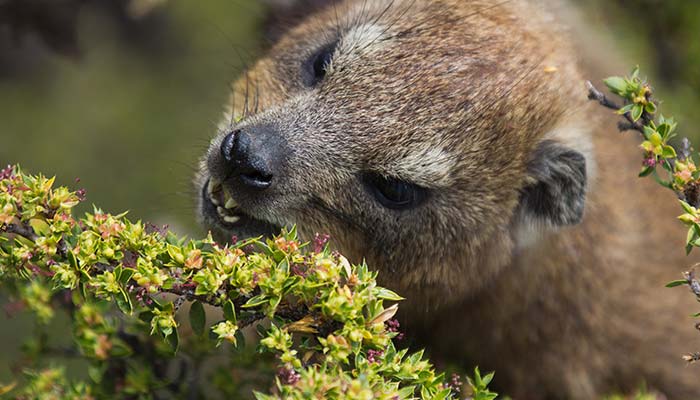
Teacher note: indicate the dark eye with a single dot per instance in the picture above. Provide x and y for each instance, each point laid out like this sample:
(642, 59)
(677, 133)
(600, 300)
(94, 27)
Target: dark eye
(394, 193)
(317, 65)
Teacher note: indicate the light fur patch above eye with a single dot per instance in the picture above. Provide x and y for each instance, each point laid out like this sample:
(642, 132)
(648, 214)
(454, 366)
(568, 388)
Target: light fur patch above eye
(427, 166)
(362, 38)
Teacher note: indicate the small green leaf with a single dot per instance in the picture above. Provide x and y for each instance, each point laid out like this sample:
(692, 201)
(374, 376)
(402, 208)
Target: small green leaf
(40, 226)
(688, 249)
(488, 378)
(126, 275)
(675, 283)
(688, 208)
(198, 317)
(668, 152)
(230, 311)
(387, 294)
(646, 171)
(635, 72)
(174, 340)
(624, 110)
(124, 302)
(637, 112)
(72, 260)
(255, 301)
(648, 131)
(650, 108)
(616, 84)
(262, 396)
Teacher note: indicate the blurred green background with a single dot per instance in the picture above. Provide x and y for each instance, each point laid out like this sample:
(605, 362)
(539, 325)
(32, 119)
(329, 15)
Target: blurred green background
(129, 115)
(133, 110)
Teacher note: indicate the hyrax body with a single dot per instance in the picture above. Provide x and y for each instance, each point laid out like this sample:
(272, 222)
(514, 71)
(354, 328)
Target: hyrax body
(450, 144)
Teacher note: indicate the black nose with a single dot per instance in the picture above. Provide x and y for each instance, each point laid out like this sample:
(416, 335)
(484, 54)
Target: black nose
(248, 159)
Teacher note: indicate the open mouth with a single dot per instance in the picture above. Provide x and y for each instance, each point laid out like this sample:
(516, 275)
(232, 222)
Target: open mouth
(225, 206)
(220, 208)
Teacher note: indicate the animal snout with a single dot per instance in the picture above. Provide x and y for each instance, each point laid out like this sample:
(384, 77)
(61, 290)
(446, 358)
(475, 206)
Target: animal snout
(251, 157)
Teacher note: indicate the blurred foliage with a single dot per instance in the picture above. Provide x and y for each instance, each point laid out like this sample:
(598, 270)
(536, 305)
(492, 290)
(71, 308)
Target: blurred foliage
(664, 37)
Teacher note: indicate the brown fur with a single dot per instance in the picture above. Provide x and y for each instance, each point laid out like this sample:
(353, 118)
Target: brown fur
(456, 96)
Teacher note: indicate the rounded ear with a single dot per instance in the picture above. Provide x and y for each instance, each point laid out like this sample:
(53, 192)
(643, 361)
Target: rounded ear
(556, 191)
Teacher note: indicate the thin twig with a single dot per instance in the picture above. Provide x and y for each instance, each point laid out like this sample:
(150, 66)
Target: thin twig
(19, 229)
(602, 99)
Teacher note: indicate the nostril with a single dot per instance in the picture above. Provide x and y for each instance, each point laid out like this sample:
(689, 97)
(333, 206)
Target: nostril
(228, 145)
(246, 160)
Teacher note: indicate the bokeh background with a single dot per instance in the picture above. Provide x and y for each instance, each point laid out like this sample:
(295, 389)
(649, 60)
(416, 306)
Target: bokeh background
(128, 100)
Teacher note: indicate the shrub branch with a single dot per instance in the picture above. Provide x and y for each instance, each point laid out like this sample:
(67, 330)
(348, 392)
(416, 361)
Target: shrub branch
(678, 170)
(120, 281)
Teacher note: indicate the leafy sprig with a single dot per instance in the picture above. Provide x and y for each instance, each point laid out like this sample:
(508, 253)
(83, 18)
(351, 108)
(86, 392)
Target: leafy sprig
(678, 172)
(330, 328)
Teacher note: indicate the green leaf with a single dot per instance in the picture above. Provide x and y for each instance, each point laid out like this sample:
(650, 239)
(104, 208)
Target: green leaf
(688, 249)
(477, 378)
(262, 396)
(635, 72)
(488, 378)
(255, 301)
(174, 340)
(688, 208)
(692, 236)
(40, 226)
(637, 112)
(646, 171)
(648, 131)
(616, 84)
(230, 311)
(387, 294)
(650, 108)
(72, 260)
(668, 152)
(124, 302)
(198, 318)
(675, 283)
(624, 110)
(126, 275)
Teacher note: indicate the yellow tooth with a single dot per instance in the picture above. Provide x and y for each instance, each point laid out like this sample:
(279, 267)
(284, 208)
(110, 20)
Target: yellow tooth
(214, 185)
(231, 203)
(231, 219)
(221, 211)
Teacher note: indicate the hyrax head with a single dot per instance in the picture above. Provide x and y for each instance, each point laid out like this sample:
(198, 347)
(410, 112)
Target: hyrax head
(424, 136)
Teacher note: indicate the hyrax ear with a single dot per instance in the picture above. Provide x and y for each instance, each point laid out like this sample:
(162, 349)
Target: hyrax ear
(556, 190)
